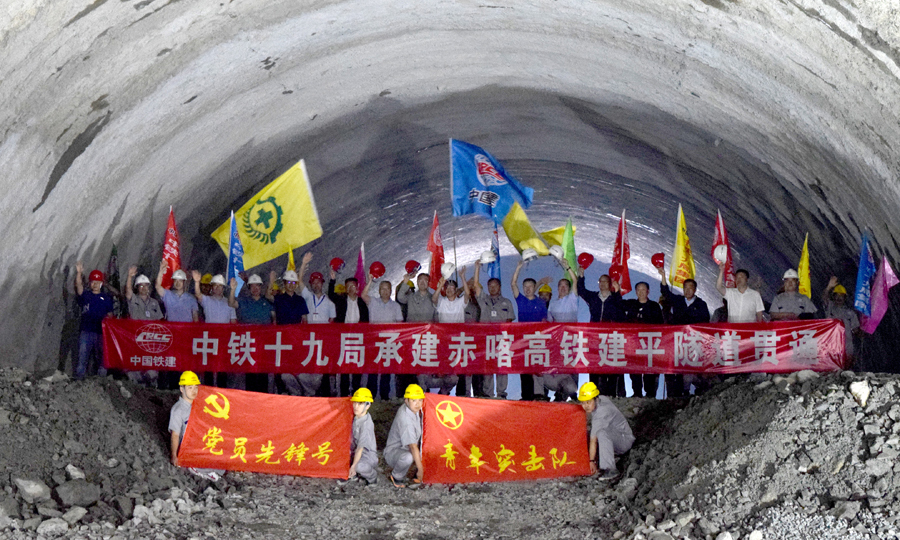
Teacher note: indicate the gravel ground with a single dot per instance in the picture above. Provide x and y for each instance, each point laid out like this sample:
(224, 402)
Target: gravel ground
(756, 457)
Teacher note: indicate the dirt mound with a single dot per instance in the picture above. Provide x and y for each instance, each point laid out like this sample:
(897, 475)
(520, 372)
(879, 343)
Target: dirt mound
(757, 456)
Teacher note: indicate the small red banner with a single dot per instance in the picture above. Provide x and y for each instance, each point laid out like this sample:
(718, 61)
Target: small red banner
(266, 433)
(777, 347)
(481, 440)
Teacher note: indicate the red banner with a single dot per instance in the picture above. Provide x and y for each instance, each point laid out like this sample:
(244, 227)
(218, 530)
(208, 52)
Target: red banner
(171, 251)
(480, 440)
(777, 347)
(267, 433)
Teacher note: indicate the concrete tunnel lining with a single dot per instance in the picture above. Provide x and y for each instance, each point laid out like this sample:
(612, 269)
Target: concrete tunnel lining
(132, 107)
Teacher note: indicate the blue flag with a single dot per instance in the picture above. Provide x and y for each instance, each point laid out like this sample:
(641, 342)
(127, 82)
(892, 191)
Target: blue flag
(863, 295)
(235, 257)
(480, 185)
(494, 267)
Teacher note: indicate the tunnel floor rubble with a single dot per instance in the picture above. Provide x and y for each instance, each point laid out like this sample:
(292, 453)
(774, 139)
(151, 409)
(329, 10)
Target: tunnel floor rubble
(756, 457)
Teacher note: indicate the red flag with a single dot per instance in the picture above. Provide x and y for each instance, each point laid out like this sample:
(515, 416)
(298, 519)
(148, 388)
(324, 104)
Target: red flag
(247, 431)
(436, 247)
(621, 254)
(721, 239)
(171, 250)
(482, 440)
(360, 274)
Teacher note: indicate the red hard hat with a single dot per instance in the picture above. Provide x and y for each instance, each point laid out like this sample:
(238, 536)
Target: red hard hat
(96, 275)
(376, 269)
(337, 264)
(412, 267)
(585, 260)
(615, 272)
(658, 260)
(316, 275)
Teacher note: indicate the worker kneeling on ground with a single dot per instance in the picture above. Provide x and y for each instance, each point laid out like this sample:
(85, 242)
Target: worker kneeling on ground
(362, 441)
(610, 432)
(402, 447)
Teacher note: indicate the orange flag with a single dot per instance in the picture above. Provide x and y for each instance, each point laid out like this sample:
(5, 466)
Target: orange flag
(268, 433)
(481, 440)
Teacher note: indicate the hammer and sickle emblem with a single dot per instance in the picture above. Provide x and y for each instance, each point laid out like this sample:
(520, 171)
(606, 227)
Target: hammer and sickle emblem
(220, 411)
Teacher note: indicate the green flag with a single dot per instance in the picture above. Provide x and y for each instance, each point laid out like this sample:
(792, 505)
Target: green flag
(568, 245)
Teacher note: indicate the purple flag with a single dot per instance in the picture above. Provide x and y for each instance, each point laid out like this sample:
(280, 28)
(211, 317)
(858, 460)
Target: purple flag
(361, 266)
(884, 280)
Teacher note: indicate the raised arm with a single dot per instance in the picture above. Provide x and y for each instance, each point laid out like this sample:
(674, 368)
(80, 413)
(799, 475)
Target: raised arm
(572, 277)
(826, 294)
(515, 279)
(304, 266)
(436, 297)
(197, 292)
(159, 277)
(365, 292)
(478, 287)
(720, 281)
(270, 288)
(132, 271)
(79, 286)
(232, 285)
(465, 283)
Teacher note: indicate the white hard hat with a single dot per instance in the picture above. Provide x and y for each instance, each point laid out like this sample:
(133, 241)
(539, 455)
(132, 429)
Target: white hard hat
(218, 279)
(791, 274)
(179, 274)
(557, 252)
(721, 253)
(290, 275)
(141, 280)
(254, 280)
(447, 269)
(488, 257)
(529, 255)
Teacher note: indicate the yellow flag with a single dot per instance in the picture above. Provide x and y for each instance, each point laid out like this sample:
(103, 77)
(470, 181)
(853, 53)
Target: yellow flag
(682, 267)
(291, 266)
(803, 269)
(520, 232)
(554, 237)
(277, 218)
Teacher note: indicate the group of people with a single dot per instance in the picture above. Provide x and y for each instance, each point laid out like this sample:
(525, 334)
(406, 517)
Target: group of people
(610, 434)
(297, 299)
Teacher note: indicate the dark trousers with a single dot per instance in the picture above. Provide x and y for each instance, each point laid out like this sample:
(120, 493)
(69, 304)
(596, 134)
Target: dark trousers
(477, 386)
(350, 383)
(675, 386)
(648, 383)
(527, 387)
(609, 385)
(258, 382)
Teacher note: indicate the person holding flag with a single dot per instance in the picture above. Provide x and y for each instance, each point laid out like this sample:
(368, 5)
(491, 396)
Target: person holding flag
(687, 308)
(495, 308)
(349, 308)
(744, 304)
(180, 307)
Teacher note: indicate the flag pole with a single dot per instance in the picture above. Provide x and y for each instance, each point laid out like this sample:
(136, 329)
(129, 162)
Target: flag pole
(455, 266)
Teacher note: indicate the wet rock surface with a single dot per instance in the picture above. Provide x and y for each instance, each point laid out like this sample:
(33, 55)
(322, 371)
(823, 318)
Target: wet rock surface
(774, 457)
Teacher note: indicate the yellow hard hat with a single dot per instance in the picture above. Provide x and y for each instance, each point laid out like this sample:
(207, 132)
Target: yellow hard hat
(545, 288)
(340, 288)
(206, 279)
(189, 378)
(414, 391)
(588, 392)
(840, 290)
(363, 395)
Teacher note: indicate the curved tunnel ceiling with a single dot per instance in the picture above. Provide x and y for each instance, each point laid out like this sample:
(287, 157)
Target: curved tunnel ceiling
(783, 115)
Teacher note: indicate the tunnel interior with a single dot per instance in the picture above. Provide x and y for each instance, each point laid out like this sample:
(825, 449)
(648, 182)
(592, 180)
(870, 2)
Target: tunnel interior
(783, 116)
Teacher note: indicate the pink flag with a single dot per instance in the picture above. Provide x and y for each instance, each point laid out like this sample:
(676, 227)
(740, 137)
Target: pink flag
(884, 280)
(721, 239)
(360, 274)
(171, 250)
(621, 254)
(436, 247)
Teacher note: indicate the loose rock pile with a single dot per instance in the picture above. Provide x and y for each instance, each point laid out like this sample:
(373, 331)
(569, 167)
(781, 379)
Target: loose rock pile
(756, 457)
